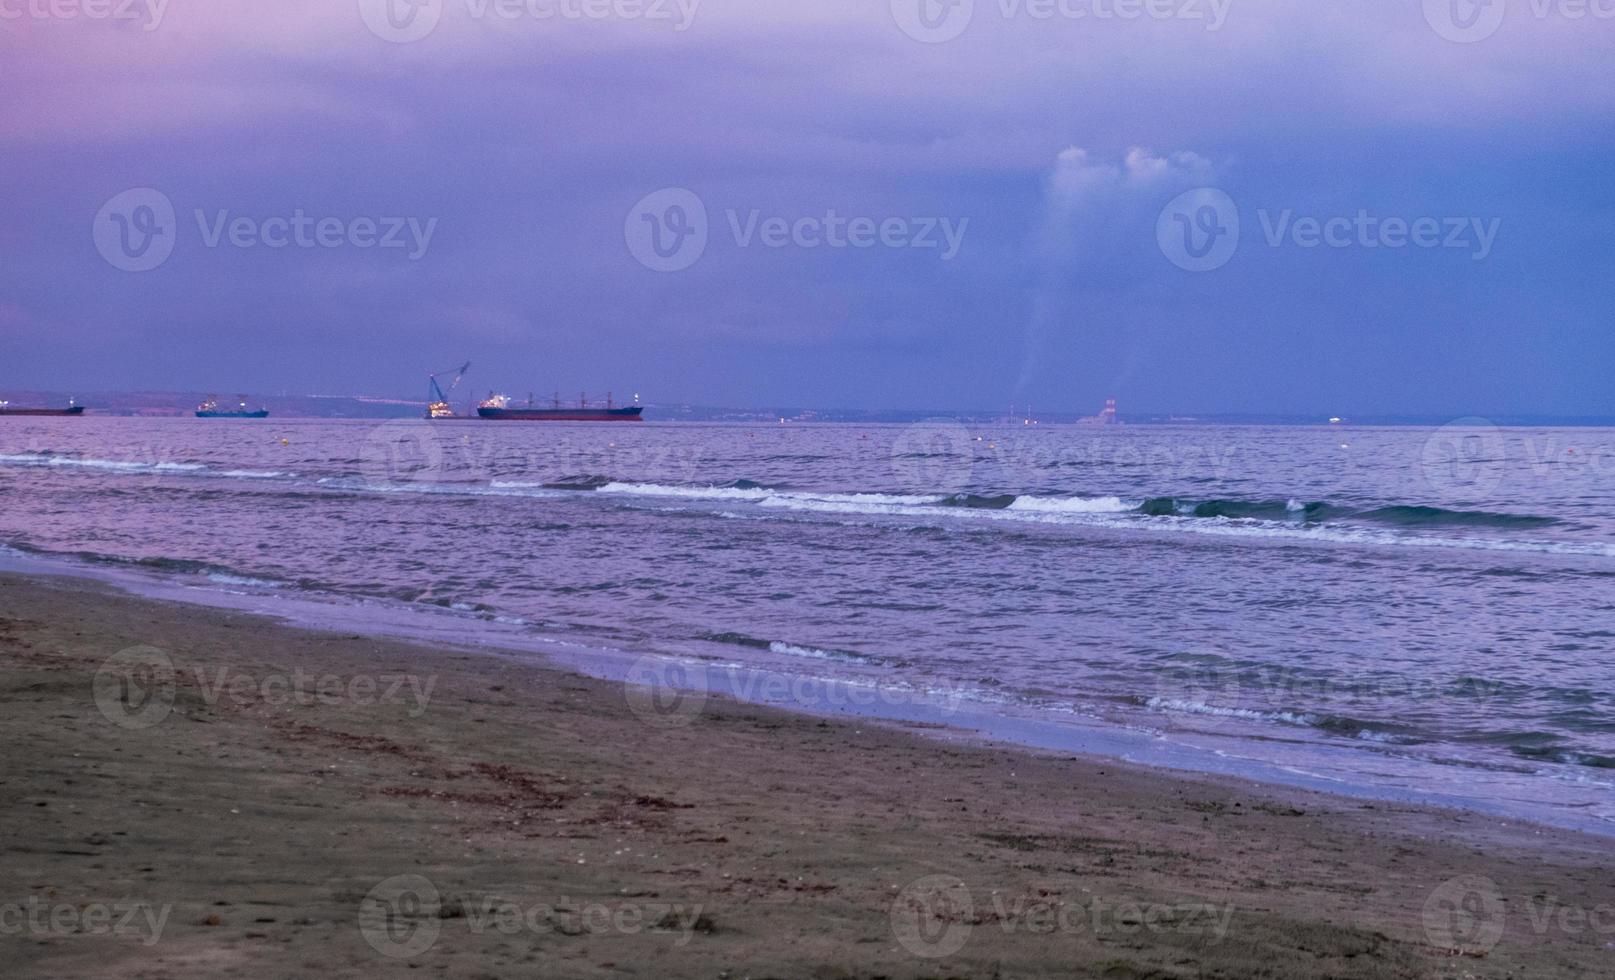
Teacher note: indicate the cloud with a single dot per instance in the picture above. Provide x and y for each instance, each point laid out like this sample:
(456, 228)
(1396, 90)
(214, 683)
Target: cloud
(1076, 177)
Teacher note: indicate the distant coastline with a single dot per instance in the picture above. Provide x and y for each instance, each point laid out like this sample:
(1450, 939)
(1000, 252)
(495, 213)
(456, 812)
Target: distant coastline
(182, 404)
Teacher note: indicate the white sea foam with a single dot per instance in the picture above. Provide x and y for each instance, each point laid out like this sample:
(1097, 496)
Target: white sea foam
(1118, 514)
(1218, 711)
(813, 653)
(116, 465)
(1385, 738)
(790, 500)
(1073, 505)
(431, 487)
(244, 581)
(689, 493)
(1360, 535)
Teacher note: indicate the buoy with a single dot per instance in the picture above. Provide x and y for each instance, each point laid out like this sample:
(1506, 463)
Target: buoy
(285, 442)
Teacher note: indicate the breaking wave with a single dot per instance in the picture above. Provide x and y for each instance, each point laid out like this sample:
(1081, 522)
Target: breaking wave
(1276, 518)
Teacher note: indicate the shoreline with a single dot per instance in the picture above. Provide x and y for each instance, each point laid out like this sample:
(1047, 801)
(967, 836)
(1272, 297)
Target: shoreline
(551, 819)
(943, 717)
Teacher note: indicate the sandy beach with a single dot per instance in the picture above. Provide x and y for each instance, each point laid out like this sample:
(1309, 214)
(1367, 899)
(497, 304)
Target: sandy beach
(227, 796)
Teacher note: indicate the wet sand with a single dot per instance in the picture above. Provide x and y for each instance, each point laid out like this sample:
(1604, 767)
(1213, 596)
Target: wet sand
(285, 802)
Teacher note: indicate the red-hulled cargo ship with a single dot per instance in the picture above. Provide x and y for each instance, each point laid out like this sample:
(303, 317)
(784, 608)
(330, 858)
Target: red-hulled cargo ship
(499, 408)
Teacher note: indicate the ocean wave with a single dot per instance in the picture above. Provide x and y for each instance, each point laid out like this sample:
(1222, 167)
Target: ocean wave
(745, 490)
(244, 581)
(688, 493)
(1418, 516)
(980, 501)
(1276, 519)
(1185, 707)
(582, 481)
(1351, 728)
(446, 489)
(1290, 518)
(113, 465)
(1074, 505)
(791, 649)
(1564, 756)
(1385, 738)
(213, 572)
(60, 460)
(814, 653)
(1288, 510)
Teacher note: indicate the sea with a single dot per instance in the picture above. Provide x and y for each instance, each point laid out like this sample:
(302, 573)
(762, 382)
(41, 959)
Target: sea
(1402, 613)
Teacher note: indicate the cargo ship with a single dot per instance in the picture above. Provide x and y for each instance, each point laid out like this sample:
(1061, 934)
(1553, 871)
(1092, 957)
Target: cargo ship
(71, 409)
(499, 408)
(210, 410)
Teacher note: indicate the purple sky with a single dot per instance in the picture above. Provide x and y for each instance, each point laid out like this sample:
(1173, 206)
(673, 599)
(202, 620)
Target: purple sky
(1053, 150)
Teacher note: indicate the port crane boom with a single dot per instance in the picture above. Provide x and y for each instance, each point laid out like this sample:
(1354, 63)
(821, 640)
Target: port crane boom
(437, 406)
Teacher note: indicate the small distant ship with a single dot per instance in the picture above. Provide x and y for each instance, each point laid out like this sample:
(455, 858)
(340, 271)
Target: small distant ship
(1107, 416)
(498, 408)
(71, 409)
(210, 410)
